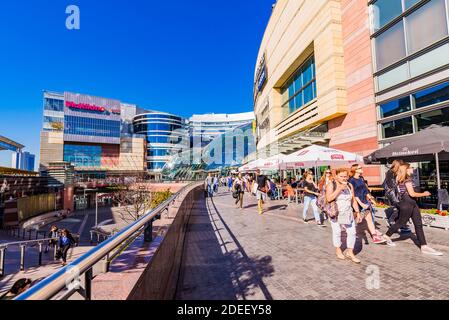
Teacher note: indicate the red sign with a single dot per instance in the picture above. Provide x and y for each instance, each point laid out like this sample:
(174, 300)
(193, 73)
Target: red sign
(337, 157)
(84, 106)
(303, 153)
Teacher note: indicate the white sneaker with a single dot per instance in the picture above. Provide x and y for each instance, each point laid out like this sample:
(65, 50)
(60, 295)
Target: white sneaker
(430, 251)
(390, 243)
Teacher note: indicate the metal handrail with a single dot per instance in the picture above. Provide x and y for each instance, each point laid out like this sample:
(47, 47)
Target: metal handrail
(25, 243)
(51, 286)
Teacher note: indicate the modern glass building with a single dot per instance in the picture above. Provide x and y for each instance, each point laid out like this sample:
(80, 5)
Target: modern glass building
(166, 135)
(91, 134)
(410, 42)
(206, 127)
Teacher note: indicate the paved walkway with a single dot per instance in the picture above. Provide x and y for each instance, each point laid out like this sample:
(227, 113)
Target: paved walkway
(238, 254)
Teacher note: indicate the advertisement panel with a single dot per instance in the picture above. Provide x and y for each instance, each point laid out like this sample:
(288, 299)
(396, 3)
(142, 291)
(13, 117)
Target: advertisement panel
(91, 119)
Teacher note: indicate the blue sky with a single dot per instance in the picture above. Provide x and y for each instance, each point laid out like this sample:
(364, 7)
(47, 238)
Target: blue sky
(179, 56)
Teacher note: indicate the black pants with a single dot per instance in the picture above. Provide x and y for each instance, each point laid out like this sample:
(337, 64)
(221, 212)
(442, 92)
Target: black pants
(408, 208)
(240, 199)
(63, 252)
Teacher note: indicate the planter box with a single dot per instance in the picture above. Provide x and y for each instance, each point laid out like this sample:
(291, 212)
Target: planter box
(430, 220)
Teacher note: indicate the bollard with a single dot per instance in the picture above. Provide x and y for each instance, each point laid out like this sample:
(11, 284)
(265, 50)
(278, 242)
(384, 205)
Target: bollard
(2, 262)
(40, 254)
(22, 257)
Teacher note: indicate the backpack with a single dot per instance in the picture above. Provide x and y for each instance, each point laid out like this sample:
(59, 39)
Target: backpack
(329, 208)
(392, 193)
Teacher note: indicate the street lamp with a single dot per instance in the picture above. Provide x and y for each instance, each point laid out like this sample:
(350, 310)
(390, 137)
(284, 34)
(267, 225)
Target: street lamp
(96, 203)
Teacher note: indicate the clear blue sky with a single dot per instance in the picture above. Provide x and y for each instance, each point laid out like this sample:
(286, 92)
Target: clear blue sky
(179, 56)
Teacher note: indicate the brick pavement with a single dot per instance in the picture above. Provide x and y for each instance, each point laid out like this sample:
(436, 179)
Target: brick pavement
(238, 254)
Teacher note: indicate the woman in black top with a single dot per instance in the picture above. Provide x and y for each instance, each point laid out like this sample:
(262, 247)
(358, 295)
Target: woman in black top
(311, 194)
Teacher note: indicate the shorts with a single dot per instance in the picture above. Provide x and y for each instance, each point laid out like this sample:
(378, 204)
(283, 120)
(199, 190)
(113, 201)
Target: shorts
(261, 195)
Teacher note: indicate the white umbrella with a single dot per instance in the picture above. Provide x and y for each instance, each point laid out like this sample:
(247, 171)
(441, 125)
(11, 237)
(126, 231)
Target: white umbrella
(315, 156)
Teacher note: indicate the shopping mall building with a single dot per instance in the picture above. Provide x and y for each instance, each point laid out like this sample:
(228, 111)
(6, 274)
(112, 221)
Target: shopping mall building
(351, 74)
(105, 138)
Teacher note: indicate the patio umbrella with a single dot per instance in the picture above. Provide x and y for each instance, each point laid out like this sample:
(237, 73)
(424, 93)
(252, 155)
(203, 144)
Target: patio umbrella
(314, 156)
(426, 145)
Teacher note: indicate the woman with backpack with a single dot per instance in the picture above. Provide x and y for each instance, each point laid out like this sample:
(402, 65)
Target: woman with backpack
(408, 208)
(239, 190)
(345, 214)
(66, 241)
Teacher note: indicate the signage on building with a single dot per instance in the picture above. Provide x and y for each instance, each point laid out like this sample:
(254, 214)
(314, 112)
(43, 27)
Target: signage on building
(261, 76)
(84, 106)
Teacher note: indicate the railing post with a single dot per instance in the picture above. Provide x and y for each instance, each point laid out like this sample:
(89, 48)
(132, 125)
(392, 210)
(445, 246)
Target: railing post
(29, 234)
(148, 233)
(22, 257)
(40, 254)
(2, 262)
(55, 251)
(88, 284)
(23, 234)
(91, 237)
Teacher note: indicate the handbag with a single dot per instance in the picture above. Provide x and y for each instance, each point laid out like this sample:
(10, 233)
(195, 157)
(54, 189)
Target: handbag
(330, 209)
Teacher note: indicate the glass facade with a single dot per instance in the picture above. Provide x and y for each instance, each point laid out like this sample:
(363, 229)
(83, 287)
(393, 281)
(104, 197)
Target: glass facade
(53, 104)
(403, 30)
(83, 155)
(165, 134)
(91, 127)
(406, 115)
(301, 88)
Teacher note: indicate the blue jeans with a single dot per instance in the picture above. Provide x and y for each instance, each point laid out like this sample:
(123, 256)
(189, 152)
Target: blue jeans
(308, 200)
(210, 190)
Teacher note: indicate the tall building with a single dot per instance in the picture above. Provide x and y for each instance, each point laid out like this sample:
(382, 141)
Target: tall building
(89, 132)
(23, 161)
(166, 135)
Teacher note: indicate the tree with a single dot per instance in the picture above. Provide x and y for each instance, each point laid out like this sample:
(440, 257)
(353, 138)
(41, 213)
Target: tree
(133, 203)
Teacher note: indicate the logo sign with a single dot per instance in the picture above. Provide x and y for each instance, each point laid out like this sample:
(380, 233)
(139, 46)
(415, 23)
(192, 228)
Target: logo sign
(428, 219)
(84, 106)
(405, 152)
(303, 153)
(337, 157)
(261, 75)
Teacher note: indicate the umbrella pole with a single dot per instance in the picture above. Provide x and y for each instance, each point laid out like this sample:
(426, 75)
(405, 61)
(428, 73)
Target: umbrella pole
(437, 160)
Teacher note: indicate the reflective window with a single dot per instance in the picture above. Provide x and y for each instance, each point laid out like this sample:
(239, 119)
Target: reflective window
(397, 127)
(432, 95)
(156, 165)
(91, 127)
(430, 61)
(395, 107)
(440, 117)
(390, 46)
(83, 156)
(426, 25)
(301, 89)
(53, 104)
(384, 11)
(158, 152)
(410, 3)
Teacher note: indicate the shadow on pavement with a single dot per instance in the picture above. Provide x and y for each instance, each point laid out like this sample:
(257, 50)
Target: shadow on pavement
(210, 270)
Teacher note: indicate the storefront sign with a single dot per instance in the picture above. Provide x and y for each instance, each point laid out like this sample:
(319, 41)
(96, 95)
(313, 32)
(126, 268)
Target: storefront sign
(84, 106)
(261, 75)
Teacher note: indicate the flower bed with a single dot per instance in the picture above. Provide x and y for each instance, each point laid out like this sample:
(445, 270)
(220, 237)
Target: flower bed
(430, 217)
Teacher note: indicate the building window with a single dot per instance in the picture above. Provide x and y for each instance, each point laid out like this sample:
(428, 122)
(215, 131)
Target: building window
(53, 104)
(426, 25)
(158, 165)
(83, 156)
(91, 127)
(432, 95)
(384, 11)
(395, 107)
(301, 88)
(440, 117)
(397, 128)
(390, 46)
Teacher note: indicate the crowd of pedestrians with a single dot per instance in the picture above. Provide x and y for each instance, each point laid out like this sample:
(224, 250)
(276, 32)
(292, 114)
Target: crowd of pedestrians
(343, 198)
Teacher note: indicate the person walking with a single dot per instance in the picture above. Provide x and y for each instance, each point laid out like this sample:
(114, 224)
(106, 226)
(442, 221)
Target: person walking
(53, 234)
(66, 241)
(262, 190)
(362, 196)
(230, 183)
(239, 190)
(215, 184)
(311, 193)
(342, 193)
(408, 208)
(208, 184)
